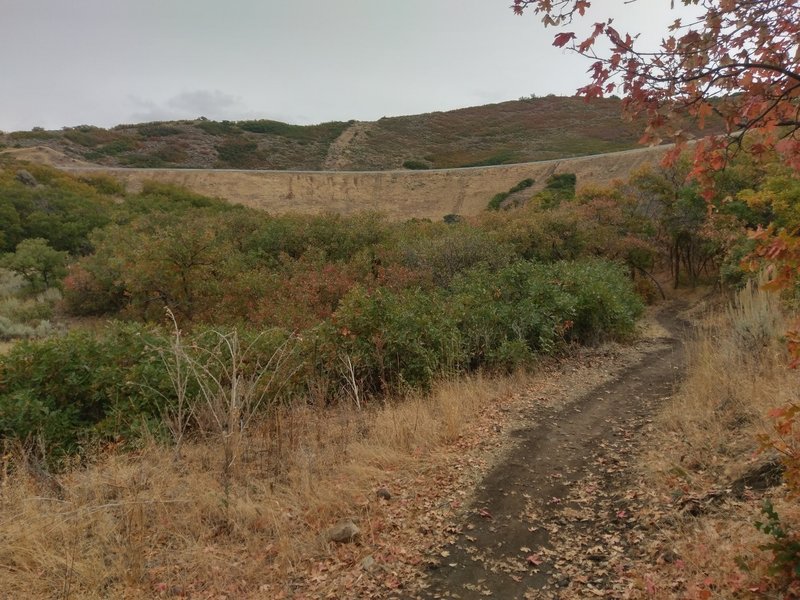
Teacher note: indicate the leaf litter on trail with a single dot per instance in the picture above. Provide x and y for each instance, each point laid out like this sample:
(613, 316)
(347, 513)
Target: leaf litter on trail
(411, 534)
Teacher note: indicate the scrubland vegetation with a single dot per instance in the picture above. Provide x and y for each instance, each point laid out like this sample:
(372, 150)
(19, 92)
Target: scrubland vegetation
(196, 390)
(728, 528)
(486, 135)
(359, 308)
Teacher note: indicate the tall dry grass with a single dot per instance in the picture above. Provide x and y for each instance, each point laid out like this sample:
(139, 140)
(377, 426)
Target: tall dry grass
(143, 524)
(737, 371)
(706, 439)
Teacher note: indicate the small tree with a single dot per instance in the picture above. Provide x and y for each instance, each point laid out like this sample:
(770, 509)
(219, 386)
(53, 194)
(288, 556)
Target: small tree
(39, 264)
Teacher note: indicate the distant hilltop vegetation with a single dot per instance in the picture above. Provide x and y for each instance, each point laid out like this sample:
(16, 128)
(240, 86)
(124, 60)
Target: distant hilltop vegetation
(526, 130)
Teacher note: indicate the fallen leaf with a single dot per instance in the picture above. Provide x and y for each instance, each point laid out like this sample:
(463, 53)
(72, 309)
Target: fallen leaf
(535, 560)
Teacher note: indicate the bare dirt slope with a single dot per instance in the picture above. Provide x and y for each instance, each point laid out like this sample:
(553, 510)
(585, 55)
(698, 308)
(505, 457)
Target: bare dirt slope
(343, 152)
(398, 194)
(46, 156)
(558, 516)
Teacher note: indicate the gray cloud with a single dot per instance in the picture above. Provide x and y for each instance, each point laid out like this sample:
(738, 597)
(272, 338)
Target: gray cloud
(212, 104)
(303, 62)
(205, 101)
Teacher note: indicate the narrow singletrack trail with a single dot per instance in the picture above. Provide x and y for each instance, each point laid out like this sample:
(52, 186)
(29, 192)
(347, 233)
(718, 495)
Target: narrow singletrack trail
(557, 517)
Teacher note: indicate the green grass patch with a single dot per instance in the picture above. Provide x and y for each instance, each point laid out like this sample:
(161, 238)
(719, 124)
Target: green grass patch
(324, 132)
(496, 203)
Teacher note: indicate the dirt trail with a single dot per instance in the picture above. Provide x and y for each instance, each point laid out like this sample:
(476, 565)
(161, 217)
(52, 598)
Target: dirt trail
(340, 151)
(558, 516)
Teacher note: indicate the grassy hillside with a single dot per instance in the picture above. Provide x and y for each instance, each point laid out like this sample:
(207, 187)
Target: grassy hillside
(509, 132)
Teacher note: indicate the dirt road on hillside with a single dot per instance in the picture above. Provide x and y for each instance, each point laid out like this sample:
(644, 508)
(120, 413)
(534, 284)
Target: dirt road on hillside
(558, 516)
(341, 150)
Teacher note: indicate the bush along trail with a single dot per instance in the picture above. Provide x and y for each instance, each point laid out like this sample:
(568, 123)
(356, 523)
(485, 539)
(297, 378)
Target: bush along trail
(557, 517)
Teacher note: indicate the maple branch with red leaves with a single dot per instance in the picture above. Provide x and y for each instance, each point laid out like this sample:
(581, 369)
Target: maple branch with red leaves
(739, 60)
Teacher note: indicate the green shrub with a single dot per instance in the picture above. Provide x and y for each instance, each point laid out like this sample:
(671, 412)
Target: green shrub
(158, 130)
(218, 127)
(158, 197)
(334, 237)
(508, 316)
(105, 184)
(81, 385)
(27, 418)
(238, 153)
(496, 202)
(606, 305)
(511, 355)
(731, 271)
(116, 147)
(784, 543)
(90, 137)
(393, 340)
(61, 210)
(13, 330)
(37, 134)
(526, 309)
(444, 251)
(324, 132)
(501, 157)
(416, 165)
(562, 185)
(522, 185)
(35, 261)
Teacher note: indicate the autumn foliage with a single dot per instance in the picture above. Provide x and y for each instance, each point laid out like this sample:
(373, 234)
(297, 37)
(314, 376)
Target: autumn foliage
(736, 62)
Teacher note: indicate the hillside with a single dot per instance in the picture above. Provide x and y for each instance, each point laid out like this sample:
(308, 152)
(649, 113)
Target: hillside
(509, 132)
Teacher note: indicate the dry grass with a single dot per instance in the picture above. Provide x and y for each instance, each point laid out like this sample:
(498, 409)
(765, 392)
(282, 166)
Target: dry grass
(400, 195)
(707, 438)
(737, 372)
(144, 524)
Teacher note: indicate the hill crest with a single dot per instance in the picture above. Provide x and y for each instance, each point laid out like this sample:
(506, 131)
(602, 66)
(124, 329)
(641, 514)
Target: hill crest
(511, 132)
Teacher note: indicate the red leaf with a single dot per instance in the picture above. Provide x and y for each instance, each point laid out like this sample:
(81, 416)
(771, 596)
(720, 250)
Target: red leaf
(562, 39)
(535, 560)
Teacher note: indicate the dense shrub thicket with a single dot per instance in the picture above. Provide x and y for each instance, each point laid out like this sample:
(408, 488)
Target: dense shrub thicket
(368, 307)
(108, 384)
(59, 209)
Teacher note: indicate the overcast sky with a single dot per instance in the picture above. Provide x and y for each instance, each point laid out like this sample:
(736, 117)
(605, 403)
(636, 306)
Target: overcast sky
(105, 62)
